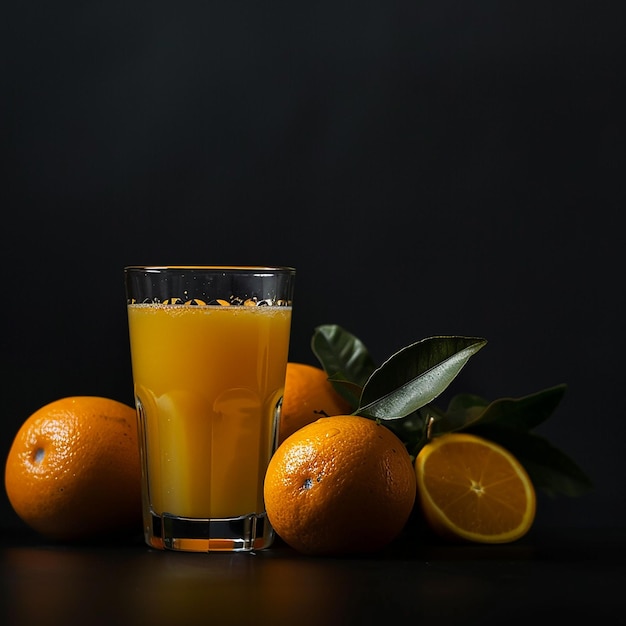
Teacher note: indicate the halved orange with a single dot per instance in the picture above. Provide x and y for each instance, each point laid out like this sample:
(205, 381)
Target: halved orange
(474, 489)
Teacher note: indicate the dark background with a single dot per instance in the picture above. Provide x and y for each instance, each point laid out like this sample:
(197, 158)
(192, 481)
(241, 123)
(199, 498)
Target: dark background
(429, 167)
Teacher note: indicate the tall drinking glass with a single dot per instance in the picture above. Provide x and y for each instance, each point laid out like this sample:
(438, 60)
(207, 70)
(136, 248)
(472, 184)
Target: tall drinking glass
(209, 350)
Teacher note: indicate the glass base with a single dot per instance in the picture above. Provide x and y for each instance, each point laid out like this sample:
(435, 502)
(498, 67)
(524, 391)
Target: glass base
(233, 534)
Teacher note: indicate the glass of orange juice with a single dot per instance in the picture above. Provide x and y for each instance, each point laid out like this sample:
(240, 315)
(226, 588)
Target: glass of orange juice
(209, 349)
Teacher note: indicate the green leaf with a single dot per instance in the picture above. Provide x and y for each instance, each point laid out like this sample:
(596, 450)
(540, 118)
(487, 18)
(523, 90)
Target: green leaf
(508, 421)
(344, 358)
(466, 402)
(463, 410)
(523, 414)
(550, 469)
(402, 389)
(414, 376)
(412, 430)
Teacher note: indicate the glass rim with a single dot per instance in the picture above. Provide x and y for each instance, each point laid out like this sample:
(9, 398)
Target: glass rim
(209, 268)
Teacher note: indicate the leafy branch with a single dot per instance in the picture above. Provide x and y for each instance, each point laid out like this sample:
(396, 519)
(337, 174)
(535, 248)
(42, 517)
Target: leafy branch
(401, 392)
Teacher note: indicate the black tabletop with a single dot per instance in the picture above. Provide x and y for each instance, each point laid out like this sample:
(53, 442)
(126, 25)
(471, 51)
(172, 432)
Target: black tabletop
(550, 574)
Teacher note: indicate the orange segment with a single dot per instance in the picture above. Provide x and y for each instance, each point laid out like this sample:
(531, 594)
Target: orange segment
(474, 489)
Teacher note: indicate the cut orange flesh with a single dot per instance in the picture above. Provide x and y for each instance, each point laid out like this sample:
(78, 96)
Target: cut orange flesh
(474, 489)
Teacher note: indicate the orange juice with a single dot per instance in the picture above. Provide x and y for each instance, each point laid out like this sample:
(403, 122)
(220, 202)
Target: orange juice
(207, 382)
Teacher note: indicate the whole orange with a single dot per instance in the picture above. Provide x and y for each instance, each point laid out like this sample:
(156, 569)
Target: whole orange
(73, 469)
(343, 484)
(308, 396)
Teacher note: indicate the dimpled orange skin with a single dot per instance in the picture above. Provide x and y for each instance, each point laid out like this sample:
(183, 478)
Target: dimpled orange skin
(73, 469)
(343, 484)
